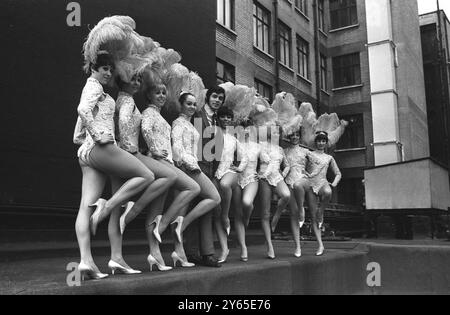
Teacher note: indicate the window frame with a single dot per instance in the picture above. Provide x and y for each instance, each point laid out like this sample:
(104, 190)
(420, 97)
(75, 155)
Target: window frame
(259, 83)
(285, 38)
(347, 70)
(303, 57)
(225, 65)
(227, 20)
(343, 13)
(262, 18)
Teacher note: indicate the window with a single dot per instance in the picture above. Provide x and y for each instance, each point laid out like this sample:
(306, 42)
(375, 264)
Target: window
(323, 73)
(322, 15)
(303, 57)
(285, 45)
(302, 6)
(225, 13)
(225, 72)
(264, 89)
(261, 27)
(343, 13)
(353, 136)
(347, 70)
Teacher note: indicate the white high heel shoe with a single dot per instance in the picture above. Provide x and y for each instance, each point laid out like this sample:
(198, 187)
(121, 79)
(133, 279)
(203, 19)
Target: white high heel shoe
(320, 251)
(156, 229)
(301, 224)
(152, 261)
(179, 221)
(94, 220)
(123, 218)
(87, 273)
(224, 259)
(117, 268)
(185, 264)
(298, 254)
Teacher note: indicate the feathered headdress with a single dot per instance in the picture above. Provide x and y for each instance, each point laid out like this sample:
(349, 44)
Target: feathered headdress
(262, 114)
(116, 35)
(329, 123)
(130, 66)
(179, 79)
(288, 117)
(241, 99)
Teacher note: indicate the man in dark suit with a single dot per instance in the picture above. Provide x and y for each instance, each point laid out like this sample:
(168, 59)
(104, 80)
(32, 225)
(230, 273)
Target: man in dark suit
(199, 235)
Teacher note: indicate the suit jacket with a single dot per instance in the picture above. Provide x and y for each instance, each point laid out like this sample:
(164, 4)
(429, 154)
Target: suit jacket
(208, 163)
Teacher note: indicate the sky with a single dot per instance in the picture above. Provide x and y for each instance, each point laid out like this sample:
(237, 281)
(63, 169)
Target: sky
(426, 6)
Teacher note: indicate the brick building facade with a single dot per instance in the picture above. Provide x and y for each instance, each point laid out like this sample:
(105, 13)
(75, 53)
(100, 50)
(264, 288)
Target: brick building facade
(319, 50)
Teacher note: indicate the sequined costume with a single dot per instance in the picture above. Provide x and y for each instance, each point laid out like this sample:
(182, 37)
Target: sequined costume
(185, 140)
(231, 145)
(318, 168)
(156, 132)
(250, 173)
(297, 158)
(96, 110)
(272, 156)
(129, 123)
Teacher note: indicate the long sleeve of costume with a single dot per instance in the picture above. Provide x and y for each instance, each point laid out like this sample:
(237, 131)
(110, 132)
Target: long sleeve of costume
(148, 131)
(90, 96)
(242, 156)
(336, 170)
(287, 166)
(181, 153)
(127, 128)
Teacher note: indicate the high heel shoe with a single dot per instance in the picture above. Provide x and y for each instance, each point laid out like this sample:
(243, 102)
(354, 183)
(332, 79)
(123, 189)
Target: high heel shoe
(298, 254)
(179, 222)
(320, 251)
(156, 229)
(185, 264)
(320, 225)
(117, 268)
(89, 273)
(152, 261)
(301, 224)
(123, 218)
(224, 259)
(95, 218)
(244, 259)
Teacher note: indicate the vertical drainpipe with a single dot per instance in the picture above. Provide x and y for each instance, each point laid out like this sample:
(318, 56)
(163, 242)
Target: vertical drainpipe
(277, 47)
(317, 56)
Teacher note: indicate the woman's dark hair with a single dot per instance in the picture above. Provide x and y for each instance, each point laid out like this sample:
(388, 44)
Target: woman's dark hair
(215, 89)
(184, 97)
(225, 111)
(103, 60)
(321, 135)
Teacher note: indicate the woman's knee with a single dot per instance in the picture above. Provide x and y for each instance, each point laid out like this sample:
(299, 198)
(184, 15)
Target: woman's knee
(194, 188)
(327, 193)
(247, 203)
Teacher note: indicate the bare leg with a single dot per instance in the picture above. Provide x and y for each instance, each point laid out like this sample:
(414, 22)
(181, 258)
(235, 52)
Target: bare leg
(165, 178)
(248, 200)
(325, 195)
(117, 163)
(156, 209)
(239, 221)
(187, 190)
(227, 184)
(265, 195)
(211, 199)
(294, 224)
(299, 193)
(219, 227)
(92, 189)
(312, 203)
(115, 237)
(284, 193)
